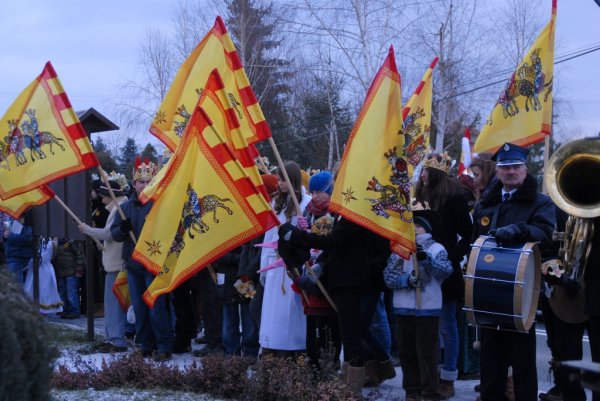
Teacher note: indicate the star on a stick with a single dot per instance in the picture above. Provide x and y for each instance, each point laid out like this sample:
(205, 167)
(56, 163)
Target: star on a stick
(154, 247)
(348, 195)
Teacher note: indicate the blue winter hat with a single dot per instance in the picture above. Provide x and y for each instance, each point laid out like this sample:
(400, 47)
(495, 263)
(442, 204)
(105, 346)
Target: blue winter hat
(322, 182)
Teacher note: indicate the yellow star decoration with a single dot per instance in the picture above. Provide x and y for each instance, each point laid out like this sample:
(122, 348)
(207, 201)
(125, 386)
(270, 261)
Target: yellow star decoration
(160, 117)
(154, 247)
(348, 195)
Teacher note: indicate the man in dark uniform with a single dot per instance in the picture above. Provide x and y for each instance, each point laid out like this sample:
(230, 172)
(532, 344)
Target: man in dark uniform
(514, 212)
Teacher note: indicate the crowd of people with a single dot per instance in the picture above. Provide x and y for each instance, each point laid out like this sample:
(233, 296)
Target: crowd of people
(340, 295)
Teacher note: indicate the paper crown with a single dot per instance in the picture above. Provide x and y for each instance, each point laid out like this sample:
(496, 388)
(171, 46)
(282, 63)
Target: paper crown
(144, 171)
(119, 179)
(439, 161)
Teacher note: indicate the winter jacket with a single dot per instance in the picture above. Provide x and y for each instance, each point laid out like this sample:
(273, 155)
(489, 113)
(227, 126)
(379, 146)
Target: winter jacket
(18, 247)
(432, 272)
(69, 259)
(136, 212)
(112, 256)
(228, 265)
(592, 275)
(456, 239)
(533, 213)
(353, 256)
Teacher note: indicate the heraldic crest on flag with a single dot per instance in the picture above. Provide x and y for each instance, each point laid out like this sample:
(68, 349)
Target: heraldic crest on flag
(216, 50)
(205, 203)
(45, 140)
(372, 186)
(416, 125)
(523, 112)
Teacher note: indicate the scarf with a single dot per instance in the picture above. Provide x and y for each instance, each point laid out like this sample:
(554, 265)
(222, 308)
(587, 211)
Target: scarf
(318, 209)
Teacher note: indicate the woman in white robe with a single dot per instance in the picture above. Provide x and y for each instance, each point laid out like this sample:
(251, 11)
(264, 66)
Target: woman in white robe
(50, 301)
(283, 323)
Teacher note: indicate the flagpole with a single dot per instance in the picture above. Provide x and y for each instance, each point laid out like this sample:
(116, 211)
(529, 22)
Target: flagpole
(418, 289)
(299, 214)
(74, 217)
(546, 157)
(114, 199)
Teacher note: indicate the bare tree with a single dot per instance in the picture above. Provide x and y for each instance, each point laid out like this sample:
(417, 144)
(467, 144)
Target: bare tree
(450, 30)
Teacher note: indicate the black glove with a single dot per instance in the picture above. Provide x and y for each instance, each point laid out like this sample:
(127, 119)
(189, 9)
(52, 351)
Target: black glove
(292, 256)
(125, 225)
(508, 234)
(421, 254)
(285, 231)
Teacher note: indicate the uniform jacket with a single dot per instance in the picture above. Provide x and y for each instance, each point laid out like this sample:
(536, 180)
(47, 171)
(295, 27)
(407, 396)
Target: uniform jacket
(531, 211)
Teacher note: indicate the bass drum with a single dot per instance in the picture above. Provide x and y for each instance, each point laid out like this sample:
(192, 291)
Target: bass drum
(502, 285)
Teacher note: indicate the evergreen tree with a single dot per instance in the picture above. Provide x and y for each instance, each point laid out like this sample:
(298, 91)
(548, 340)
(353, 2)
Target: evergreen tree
(127, 157)
(150, 153)
(106, 159)
(325, 115)
(253, 29)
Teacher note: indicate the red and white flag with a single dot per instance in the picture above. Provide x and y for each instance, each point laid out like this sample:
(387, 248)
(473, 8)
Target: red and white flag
(465, 156)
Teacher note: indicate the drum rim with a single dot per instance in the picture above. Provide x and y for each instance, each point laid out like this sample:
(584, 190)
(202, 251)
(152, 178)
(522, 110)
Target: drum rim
(473, 256)
(525, 324)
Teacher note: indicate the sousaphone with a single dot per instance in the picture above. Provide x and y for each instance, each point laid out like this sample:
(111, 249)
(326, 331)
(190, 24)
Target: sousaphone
(572, 177)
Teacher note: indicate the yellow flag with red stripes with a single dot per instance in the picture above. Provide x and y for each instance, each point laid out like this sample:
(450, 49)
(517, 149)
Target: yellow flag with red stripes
(523, 112)
(416, 120)
(45, 139)
(205, 204)
(375, 194)
(216, 50)
(16, 205)
(220, 103)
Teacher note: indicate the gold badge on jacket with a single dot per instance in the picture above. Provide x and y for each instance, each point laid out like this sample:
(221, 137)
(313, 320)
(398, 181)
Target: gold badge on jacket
(485, 221)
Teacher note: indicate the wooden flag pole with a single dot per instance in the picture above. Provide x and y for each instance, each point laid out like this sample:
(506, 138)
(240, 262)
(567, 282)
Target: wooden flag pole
(114, 199)
(546, 157)
(299, 214)
(418, 289)
(74, 217)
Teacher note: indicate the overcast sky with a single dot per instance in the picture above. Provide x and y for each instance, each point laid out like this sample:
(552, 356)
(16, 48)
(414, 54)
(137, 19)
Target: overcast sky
(93, 46)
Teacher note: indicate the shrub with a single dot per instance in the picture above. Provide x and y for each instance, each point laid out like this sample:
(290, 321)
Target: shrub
(25, 358)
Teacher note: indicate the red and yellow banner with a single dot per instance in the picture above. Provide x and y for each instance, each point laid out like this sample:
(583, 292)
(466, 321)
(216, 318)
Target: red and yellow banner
(216, 103)
(416, 120)
(216, 50)
(45, 139)
(375, 194)
(205, 204)
(17, 205)
(121, 290)
(523, 113)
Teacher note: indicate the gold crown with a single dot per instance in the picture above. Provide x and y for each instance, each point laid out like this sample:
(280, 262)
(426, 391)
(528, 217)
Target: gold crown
(439, 161)
(144, 171)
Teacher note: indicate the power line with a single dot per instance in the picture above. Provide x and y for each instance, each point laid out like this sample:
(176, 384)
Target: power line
(580, 54)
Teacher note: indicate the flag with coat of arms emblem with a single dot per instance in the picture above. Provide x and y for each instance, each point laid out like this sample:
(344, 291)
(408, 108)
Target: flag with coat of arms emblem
(45, 140)
(205, 204)
(216, 50)
(372, 186)
(416, 120)
(523, 113)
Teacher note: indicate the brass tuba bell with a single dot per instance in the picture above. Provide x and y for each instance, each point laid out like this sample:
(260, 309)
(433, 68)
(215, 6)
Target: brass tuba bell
(571, 179)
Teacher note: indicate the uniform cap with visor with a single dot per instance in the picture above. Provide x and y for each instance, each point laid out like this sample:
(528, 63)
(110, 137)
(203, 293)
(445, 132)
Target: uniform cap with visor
(510, 154)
